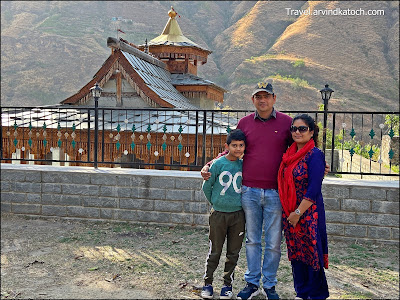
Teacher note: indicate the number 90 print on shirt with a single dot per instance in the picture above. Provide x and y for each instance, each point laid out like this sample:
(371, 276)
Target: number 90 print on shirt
(231, 180)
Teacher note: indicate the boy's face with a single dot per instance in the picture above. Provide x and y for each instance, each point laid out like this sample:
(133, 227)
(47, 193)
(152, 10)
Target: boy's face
(236, 148)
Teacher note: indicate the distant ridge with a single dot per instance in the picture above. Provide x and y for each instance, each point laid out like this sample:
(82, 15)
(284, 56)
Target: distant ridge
(49, 49)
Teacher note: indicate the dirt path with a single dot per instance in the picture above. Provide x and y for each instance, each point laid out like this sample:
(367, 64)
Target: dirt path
(59, 259)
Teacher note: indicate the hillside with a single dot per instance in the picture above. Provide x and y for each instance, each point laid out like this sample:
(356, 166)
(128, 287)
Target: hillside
(49, 50)
(357, 55)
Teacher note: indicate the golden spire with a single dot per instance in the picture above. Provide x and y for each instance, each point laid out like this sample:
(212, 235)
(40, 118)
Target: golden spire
(172, 33)
(172, 13)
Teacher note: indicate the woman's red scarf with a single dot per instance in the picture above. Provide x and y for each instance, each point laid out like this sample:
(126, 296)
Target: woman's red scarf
(287, 190)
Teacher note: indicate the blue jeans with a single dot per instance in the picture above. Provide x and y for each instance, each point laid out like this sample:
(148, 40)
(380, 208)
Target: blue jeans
(262, 207)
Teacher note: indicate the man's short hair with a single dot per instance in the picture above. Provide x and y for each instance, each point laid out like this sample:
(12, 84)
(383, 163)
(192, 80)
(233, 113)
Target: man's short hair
(235, 135)
(263, 87)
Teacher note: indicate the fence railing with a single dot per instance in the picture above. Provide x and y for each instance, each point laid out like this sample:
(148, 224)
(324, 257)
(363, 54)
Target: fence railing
(362, 142)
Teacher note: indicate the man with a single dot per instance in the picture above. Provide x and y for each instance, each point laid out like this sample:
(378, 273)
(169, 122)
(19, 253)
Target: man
(267, 138)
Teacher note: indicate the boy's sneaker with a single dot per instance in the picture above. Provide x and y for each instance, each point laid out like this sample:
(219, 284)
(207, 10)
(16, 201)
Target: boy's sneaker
(249, 291)
(270, 293)
(226, 292)
(207, 292)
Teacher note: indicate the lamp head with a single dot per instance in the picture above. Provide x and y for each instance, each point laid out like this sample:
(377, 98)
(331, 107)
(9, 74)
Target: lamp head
(326, 92)
(96, 90)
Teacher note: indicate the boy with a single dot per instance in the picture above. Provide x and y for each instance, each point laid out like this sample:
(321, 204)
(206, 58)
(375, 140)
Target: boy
(226, 220)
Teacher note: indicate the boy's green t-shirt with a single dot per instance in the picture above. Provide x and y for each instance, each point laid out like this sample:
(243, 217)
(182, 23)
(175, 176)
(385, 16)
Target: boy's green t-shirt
(223, 189)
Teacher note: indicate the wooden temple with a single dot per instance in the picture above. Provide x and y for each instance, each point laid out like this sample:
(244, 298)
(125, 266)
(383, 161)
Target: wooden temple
(150, 110)
(142, 76)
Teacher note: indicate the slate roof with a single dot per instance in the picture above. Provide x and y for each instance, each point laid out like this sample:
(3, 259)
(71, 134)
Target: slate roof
(190, 79)
(109, 119)
(158, 79)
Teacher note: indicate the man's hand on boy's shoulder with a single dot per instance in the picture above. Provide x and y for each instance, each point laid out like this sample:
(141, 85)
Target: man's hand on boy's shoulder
(205, 172)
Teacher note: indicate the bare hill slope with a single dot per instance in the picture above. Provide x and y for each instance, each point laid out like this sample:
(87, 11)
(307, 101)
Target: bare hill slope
(49, 50)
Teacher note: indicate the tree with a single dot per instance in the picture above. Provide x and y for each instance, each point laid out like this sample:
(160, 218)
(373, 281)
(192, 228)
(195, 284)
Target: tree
(392, 121)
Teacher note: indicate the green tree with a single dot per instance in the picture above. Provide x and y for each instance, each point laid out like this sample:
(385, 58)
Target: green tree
(392, 121)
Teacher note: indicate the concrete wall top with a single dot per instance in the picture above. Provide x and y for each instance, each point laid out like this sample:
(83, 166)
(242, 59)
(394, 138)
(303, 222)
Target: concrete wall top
(113, 171)
(186, 174)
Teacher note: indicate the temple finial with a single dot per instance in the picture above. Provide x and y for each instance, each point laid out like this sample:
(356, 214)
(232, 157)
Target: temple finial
(172, 13)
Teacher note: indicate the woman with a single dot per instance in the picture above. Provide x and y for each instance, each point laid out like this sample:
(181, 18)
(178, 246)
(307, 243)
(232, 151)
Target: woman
(300, 180)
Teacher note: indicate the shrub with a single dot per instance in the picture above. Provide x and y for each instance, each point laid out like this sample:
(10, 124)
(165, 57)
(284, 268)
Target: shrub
(298, 63)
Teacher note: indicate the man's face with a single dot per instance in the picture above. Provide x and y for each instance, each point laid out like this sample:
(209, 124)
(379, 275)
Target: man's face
(263, 101)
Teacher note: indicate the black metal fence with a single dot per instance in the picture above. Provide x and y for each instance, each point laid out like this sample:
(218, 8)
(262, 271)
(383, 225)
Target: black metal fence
(363, 143)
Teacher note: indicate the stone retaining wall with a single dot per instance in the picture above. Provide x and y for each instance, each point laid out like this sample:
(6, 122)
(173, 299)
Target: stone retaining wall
(355, 209)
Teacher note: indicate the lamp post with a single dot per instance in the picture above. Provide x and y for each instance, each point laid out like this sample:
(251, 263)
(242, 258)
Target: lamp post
(96, 92)
(326, 95)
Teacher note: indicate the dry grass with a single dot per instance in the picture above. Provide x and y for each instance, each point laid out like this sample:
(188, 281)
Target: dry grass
(242, 35)
(73, 259)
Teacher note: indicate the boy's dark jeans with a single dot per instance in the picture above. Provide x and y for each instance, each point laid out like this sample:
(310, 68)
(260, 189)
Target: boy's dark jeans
(224, 225)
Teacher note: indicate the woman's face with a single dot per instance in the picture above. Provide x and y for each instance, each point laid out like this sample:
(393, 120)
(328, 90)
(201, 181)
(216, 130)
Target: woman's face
(301, 133)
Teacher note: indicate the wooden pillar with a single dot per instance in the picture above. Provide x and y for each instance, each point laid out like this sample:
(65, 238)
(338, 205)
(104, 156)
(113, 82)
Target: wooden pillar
(118, 79)
(186, 65)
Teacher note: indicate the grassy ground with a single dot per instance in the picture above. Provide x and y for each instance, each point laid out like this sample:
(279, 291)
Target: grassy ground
(56, 259)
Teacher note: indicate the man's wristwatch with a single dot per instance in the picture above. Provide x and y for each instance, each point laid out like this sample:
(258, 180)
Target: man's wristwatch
(297, 212)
